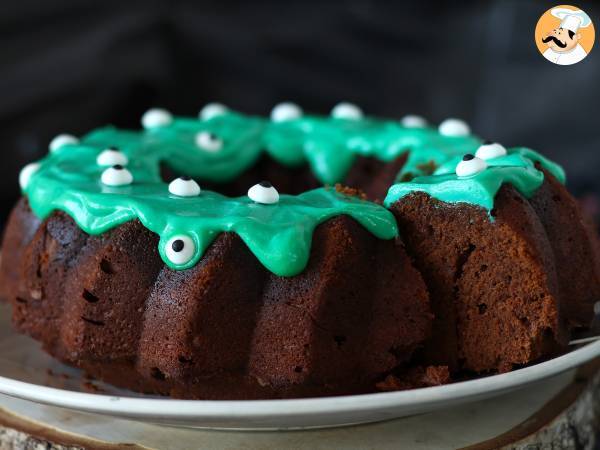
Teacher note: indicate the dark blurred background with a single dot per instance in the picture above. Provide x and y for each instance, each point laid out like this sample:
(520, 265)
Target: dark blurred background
(69, 66)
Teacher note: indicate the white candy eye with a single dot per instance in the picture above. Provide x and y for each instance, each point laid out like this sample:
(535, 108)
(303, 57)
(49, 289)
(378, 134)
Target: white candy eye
(286, 111)
(348, 111)
(264, 193)
(61, 140)
(490, 150)
(26, 172)
(156, 117)
(413, 121)
(209, 141)
(111, 157)
(180, 249)
(184, 187)
(116, 175)
(470, 165)
(211, 110)
(454, 128)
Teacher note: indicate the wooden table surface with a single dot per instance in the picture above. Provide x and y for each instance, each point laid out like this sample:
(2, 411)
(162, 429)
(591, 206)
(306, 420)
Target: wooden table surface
(561, 412)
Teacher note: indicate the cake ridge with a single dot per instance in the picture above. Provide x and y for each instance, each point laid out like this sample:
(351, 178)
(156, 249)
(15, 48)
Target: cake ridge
(515, 166)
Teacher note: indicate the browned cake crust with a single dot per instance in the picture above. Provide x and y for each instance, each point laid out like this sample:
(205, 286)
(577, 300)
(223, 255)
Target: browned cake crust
(574, 242)
(506, 292)
(226, 328)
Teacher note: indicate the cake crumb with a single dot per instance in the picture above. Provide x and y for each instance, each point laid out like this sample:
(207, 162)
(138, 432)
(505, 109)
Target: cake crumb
(88, 386)
(436, 375)
(416, 377)
(350, 191)
(427, 168)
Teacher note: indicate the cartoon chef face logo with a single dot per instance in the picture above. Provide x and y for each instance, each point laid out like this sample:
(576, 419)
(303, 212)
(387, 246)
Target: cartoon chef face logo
(561, 40)
(564, 35)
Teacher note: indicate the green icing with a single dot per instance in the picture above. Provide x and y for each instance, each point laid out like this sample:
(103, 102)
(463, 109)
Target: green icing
(329, 146)
(279, 235)
(555, 169)
(479, 189)
(514, 157)
(175, 145)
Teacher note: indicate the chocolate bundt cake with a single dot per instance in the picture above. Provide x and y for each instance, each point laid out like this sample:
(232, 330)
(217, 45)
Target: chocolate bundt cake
(143, 258)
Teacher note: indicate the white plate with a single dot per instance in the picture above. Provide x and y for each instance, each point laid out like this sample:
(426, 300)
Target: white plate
(28, 373)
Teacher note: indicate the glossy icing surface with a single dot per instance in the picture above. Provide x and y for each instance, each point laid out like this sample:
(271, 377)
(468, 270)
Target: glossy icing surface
(76, 178)
(279, 234)
(517, 168)
(328, 145)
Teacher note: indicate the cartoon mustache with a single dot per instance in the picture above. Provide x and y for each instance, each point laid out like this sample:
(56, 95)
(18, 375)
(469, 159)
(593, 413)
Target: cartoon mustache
(556, 41)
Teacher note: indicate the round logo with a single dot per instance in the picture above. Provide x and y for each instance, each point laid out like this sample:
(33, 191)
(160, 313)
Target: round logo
(564, 35)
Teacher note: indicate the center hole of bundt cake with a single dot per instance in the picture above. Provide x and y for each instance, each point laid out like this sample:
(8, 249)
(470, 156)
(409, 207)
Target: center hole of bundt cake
(368, 174)
(287, 180)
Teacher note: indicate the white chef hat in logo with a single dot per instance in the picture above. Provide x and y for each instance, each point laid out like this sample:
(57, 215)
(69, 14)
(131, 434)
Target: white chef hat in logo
(571, 19)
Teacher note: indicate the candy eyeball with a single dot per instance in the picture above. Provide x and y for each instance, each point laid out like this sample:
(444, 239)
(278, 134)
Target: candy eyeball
(263, 193)
(470, 165)
(156, 118)
(62, 140)
(286, 111)
(348, 111)
(490, 150)
(26, 173)
(209, 141)
(454, 128)
(111, 157)
(117, 175)
(413, 121)
(184, 187)
(180, 249)
(211, 110)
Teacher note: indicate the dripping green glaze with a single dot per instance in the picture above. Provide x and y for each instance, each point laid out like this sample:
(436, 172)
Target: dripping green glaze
(516, 156)
(479, 189)
(329, 146)
(279, 235)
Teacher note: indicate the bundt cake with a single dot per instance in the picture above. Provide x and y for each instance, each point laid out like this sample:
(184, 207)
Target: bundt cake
(143, 258)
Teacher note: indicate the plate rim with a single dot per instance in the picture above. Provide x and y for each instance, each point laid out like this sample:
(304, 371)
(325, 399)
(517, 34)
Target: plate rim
(167, 408)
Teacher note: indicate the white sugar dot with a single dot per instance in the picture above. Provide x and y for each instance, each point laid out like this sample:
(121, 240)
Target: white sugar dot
(263, 193)
(209, 141)
(180, 249)
(62, 140)
(413, 121)
(454, 128)
(211, 110)
(111, 157)
(184, 187)
(26, 173)
(156, 117)
(347, 111)
(470, 166)
(116, 176)
(286, 111)
(490, 150)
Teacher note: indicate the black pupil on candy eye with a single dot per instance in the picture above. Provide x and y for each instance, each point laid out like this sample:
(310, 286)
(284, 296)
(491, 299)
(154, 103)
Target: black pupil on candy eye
(265, 184)
(212, 137)
(185, 178)
(468, 157)
(487, 142)
(113, 149)
(118, 167)
(177, 245)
